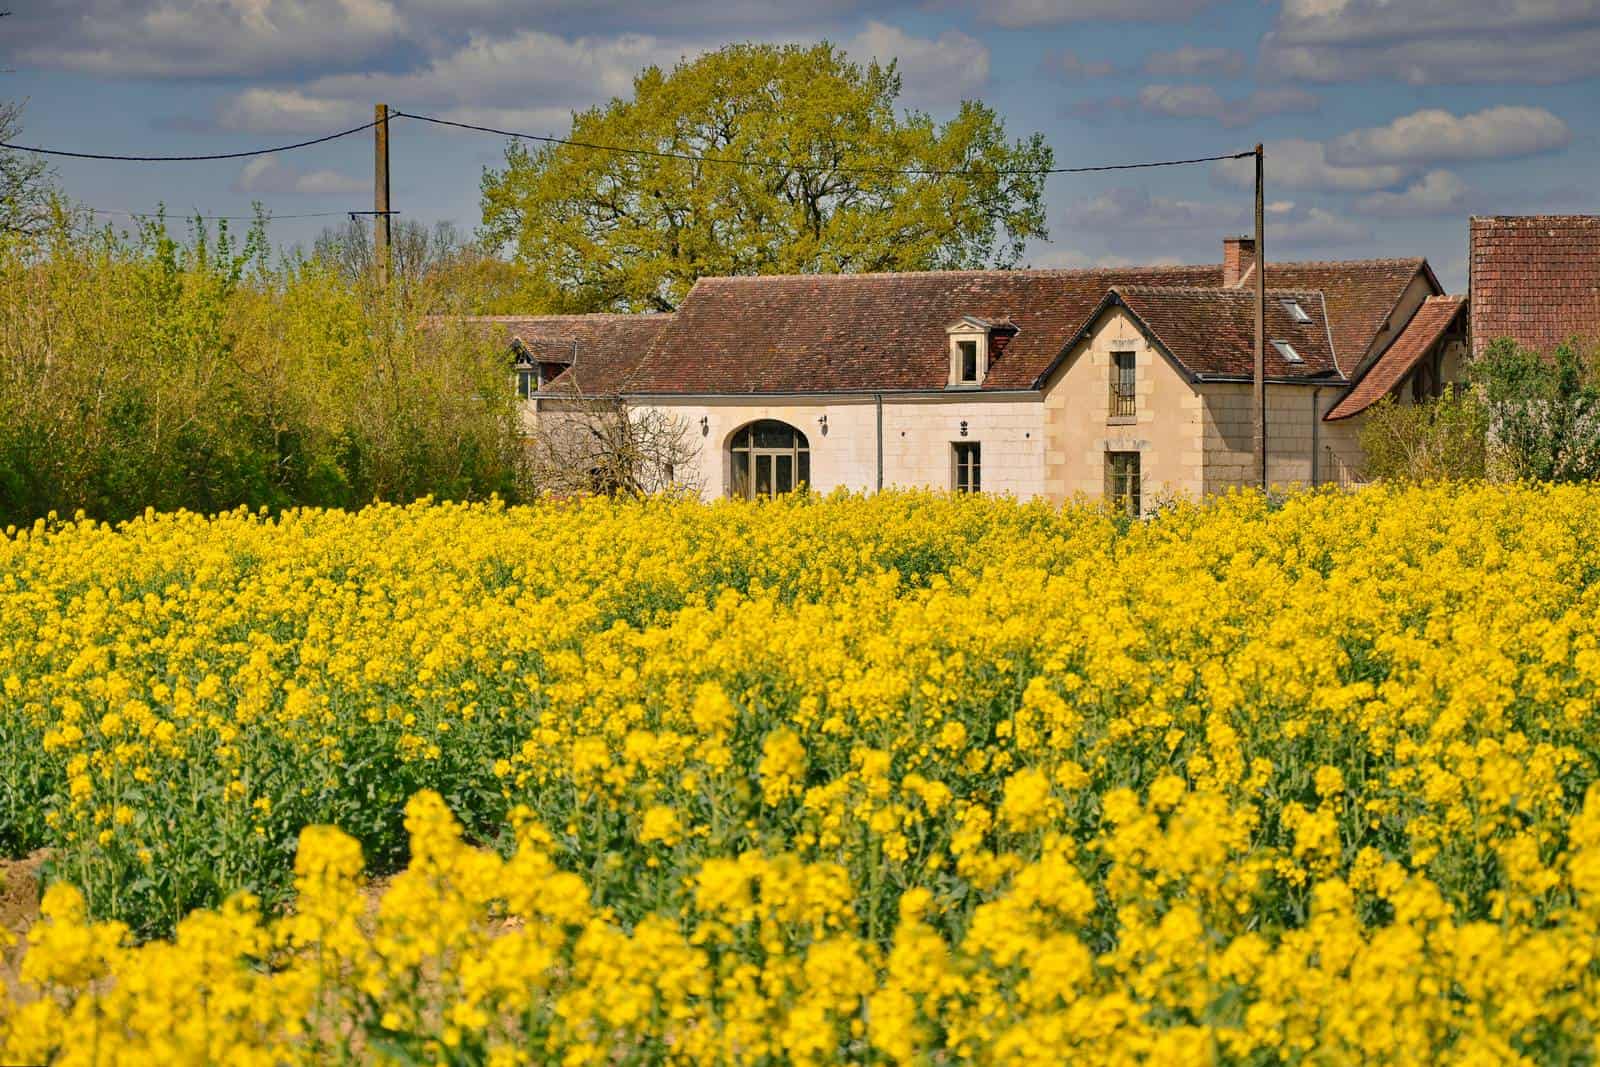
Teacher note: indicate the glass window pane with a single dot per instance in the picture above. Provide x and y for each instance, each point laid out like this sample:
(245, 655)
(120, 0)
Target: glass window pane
(770, 434)
(739, 484)
(763, 475)
(969, 360)
(804, 475)
(783, 475)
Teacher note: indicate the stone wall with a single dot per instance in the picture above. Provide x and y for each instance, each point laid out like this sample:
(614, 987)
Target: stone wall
(1294, 433)
(1165, 429)
(918, 434)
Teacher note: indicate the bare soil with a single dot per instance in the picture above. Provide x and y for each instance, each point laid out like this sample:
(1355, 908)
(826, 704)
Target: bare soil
(19, 909)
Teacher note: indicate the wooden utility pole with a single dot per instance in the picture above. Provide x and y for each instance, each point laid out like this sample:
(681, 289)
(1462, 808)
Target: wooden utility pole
(1259, 381)
(380, 191)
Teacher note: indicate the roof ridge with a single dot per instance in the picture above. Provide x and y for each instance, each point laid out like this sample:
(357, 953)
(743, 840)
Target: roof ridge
(588, 316)
(997, 272)
(1225, 290)
(1545, 218)
(1347, 262)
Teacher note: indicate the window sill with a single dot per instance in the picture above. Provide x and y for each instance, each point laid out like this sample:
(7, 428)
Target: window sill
(964, 387)
(1122, 420)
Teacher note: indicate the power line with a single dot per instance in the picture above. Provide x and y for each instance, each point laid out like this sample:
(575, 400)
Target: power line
(785, 165)
(265, 216)
(190, 159)
(760, 164)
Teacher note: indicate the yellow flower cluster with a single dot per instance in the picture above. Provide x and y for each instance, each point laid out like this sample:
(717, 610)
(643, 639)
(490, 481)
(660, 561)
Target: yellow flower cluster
(901, 779)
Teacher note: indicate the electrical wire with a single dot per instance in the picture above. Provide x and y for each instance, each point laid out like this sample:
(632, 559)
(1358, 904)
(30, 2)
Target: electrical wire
(760, 164)
(190, 159)
(265, 216)
(780, 165)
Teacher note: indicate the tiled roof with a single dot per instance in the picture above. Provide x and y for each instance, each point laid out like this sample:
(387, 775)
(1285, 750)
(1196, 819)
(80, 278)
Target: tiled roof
(867, 332)
(598, 351)
(1360, 293)
(1534, 279)
(1432, 319)
(1212, 332)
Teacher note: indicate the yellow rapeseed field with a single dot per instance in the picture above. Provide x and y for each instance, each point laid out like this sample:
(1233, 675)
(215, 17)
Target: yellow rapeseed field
(904, 779)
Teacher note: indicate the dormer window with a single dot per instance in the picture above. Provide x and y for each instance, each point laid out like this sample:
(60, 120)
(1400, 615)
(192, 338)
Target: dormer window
(969, 362)
(527, 382)
(969, 352)
(1286, 350)
(1296, 312)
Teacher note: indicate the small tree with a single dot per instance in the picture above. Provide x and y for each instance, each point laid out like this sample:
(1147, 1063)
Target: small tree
(604, 446)
(454, 273)
(1543, 412)
(27, 186)
(1444, 439)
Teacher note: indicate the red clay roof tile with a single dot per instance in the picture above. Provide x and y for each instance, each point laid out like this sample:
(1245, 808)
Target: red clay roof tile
(1430, 322)
(886, 332)
(597, 351)
(1361, 296)
(869, 332)
(1534, 279)
(1212, 332)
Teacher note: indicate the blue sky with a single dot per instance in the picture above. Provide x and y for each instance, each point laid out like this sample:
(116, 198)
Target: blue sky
(1387, 122)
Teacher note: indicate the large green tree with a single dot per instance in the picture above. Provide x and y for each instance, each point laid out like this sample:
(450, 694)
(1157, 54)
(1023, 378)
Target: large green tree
(606, 231)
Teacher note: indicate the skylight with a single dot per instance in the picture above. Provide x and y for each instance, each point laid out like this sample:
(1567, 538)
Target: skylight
(1296, 312)
(1286, 350)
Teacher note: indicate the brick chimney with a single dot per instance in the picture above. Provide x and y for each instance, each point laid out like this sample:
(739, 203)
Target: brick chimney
(1238, 256)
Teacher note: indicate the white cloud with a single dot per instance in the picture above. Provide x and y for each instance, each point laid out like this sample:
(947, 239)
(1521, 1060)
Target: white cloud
(200, 38)
(1301, 164)
(1067, 65)
(1204, 102)
(491, 80)
(1317, 227)
(932, 70)
(1183, 101)
(303, 39)
(266, 174)
(1435, 41)
(1438, 192)
(1016, 13)
(1137, 218)
(1056, 257)
(1190, 61)
(488, 80)
(1434, 135)
(288, 110)
(1127, 208)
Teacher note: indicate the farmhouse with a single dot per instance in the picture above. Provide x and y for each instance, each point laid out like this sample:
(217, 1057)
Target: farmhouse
(1133, 383)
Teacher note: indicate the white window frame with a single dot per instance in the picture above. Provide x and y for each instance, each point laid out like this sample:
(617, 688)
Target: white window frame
(973, 468)
(968, 331)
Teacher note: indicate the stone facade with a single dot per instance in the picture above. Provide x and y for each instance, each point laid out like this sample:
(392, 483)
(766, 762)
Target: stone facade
(919, 432)
(1302, 448)
(1164, 429)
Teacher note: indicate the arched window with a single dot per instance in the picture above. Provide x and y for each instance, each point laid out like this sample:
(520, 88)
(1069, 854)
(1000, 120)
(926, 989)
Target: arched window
(767, 458)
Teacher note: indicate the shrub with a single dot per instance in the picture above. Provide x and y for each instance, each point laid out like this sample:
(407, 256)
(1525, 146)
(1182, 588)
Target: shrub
(1442, 440)
(139, 370)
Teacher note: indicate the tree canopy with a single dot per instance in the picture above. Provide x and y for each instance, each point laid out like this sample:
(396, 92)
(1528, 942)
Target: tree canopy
(606, 231)
(27, 184)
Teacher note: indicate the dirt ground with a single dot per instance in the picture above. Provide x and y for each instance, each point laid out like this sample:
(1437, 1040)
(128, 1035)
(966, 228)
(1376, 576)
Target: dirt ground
(19, 908)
